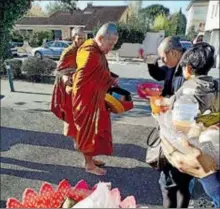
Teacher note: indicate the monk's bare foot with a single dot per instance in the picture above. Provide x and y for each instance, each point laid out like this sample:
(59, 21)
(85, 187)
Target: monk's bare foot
(98, 162)
(96, 170)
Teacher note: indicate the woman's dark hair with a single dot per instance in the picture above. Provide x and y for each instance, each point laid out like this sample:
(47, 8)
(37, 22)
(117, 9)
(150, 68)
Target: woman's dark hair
(200, 57)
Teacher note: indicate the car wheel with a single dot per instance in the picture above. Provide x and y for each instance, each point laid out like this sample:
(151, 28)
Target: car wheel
(38, 55)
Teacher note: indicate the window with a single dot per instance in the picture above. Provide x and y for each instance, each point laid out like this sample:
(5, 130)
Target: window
(49, 44)
(60, 45)
(65, 45)
(57, 44)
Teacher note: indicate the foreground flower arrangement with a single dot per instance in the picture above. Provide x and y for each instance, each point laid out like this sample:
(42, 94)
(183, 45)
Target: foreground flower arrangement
(66, 196)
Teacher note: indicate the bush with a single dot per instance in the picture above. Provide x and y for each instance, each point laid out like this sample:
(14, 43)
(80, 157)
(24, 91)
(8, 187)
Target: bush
(16, 36)
(38, 36)
(35, 68)
(15, 67)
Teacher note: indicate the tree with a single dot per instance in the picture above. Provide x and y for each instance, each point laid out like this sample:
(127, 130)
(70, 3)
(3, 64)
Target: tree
(191, 33)
(12, 10)
(149, 13)
(62, 5)
(134, 19)
(177, 24)
(37, 37)
(70, 5)
(36, 11)
(127, 34)
(161, 23)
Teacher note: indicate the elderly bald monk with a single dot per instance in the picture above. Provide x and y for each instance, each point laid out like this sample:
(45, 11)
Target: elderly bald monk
(92, 80)
(61, 104)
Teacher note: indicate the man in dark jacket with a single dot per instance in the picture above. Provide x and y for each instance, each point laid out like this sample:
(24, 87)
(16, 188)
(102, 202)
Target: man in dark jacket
(170, 52)
(174, 184)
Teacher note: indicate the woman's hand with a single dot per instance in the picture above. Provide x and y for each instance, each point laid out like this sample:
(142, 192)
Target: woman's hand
(196, 163)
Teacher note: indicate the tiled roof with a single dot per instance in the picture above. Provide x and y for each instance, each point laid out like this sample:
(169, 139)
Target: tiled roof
(90, 17)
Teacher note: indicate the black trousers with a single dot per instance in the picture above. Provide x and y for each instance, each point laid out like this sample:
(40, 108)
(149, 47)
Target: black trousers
(175, 187)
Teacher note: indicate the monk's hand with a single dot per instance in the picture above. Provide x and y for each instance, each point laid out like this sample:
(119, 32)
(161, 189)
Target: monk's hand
(65, 78)
(68, 89)
(116, 81)
(194, 163)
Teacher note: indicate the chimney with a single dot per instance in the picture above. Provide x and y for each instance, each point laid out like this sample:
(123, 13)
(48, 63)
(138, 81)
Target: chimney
(89, 4)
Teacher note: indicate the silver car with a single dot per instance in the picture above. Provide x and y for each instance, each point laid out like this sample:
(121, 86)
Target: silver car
(51, 49)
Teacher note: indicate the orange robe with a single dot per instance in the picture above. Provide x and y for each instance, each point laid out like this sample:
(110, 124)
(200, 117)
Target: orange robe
(61, 103)
(90, 115)
(68, 58)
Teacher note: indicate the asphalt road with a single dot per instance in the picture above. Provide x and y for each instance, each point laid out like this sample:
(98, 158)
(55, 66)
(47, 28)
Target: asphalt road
(33, 149)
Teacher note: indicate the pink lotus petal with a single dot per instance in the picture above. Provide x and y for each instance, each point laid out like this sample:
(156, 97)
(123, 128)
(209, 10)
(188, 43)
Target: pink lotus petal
(64, 187)
(13, 203)
(45, 188)
(115, 193)
(128, 202)
(81, 185)
(29, 197)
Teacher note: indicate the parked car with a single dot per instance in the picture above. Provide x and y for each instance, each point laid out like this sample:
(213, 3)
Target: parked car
(186, 44)
(13, 49)
(51, 49)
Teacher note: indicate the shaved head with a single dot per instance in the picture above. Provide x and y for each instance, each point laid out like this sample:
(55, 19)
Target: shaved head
(107, 37)
(170, 43)
(107, 30)
(78, 36)
(77, 31)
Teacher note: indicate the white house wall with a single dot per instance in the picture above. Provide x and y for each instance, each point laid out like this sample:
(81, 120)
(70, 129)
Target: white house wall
(197, 14)
(66, 31)
(212, 21)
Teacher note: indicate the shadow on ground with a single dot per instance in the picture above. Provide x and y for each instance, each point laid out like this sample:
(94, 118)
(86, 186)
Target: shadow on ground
(12, 136)
(138, 181)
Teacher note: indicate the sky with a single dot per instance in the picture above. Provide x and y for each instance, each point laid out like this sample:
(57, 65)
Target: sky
(174, 6)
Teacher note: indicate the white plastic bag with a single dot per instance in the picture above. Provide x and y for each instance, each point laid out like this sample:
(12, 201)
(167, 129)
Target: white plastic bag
(100, 198)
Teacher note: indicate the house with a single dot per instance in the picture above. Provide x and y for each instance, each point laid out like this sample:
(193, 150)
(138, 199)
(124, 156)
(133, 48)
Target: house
(62, 23)
(196, 15)
(212, 31)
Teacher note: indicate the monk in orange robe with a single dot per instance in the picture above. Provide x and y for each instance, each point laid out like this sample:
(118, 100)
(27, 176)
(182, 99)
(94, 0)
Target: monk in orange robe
(61, 104)
(92, 80)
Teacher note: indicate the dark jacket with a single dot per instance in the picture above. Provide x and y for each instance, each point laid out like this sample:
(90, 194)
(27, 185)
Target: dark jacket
(172, 77)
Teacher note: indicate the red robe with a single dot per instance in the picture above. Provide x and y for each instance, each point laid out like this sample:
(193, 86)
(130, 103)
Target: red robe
(90, 115)
(61, 104)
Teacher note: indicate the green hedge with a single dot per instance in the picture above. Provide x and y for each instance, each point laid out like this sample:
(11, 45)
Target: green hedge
(15, 65)
(35, 68)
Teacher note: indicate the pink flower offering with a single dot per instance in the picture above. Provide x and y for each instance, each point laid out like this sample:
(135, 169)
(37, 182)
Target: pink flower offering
(48, 197)
(147, 90)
